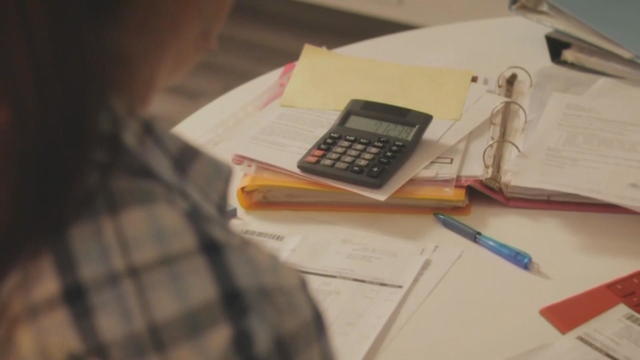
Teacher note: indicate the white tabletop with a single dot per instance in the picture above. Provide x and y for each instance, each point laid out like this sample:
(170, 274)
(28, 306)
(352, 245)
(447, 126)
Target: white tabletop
(485, 308)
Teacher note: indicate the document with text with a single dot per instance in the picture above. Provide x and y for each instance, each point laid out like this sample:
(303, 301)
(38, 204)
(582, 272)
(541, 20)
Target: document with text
(357, 279)
(614, 335)
(585, 147)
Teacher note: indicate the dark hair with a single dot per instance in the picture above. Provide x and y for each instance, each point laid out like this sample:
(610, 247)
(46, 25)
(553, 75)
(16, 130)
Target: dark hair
(55, 78)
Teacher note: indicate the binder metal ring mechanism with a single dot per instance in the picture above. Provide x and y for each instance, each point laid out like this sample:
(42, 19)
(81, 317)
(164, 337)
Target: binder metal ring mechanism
(494, 154)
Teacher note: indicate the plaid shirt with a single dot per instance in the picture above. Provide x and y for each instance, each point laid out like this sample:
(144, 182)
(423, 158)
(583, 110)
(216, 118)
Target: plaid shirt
(152, 271)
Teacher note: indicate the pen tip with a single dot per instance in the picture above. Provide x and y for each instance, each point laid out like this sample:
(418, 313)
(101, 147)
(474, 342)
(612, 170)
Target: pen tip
(534, 268)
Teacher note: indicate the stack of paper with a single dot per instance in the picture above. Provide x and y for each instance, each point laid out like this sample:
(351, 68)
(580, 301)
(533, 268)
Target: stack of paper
(586, 145)
(322, 83)
(477, 138)
(357, 279)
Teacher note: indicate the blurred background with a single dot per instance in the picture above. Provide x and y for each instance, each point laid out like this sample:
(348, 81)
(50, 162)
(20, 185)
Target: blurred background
(262, 35)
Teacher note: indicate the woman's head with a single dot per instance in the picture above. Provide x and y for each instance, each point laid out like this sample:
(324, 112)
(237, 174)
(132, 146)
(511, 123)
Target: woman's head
(156, 41)
(62, 64)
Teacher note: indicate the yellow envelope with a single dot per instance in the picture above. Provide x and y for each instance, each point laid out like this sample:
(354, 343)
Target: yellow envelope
(327, 80)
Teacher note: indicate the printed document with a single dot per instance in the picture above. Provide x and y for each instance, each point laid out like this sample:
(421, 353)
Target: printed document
(607, 88)
(277, 242)
(358, 283)
(614, 335)
(283, 135)
(358, 279)
(326, 80)
(585, 146)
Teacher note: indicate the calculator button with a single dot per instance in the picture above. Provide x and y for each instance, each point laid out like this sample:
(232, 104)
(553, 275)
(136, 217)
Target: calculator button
(367, 156)
(317, 153)
(329, 141)
(383, 139)
(395, 149)
(311, 159)
(372, 150)
(347, 158)
(398, 143)
(327, 162)
(333, 156)
(375, 171)
(324, 147)
(353, 152)
(344, 143)
(357, 169)
(339, 150)
(350, 138)
(358, 147)
(362, 162)
(378, 144)
(364, 141)
(389, 155)
(384, 161)
(341, 165)
(334, 135)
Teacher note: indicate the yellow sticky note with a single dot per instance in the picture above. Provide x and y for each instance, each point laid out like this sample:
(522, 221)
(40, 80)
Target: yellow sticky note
(327, 80)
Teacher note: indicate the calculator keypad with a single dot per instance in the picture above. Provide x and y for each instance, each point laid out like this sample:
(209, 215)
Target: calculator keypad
(369, 157)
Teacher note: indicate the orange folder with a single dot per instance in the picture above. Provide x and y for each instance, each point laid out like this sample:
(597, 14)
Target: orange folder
(265, 189)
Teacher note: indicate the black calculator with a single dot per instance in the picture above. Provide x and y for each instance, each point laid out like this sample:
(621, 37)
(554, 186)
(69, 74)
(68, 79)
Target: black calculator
(368, 143)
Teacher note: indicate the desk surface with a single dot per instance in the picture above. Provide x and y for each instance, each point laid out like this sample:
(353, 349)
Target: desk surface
(485, 308)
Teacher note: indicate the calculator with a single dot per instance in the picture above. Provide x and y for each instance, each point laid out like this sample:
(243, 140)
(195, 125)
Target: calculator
(367, 144)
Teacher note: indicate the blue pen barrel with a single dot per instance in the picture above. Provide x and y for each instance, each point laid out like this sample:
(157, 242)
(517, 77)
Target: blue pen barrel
(511, 254)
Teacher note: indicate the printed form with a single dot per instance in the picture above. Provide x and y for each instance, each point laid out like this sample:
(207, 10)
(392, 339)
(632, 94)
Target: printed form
(587, 146)
(614, 335)
(356, 278)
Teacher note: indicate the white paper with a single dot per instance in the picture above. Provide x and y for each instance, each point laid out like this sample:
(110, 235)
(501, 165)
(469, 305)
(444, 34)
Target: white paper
(607, 88)
(585, 147)
(358, 281)
(272, 239)
(472, 165)
(613, 335)
(446, 165)
(285, 134)
(477, 111)
(439, 264)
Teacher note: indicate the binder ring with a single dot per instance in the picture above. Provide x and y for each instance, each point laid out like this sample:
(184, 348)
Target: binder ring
(502, 104)
(514, 67)
(494, 142)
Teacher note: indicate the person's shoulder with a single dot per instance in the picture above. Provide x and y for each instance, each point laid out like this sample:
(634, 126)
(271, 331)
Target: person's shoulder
(137, 278)
(153, 156)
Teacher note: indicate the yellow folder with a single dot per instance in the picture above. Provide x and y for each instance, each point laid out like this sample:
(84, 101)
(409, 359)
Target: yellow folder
(266, 189)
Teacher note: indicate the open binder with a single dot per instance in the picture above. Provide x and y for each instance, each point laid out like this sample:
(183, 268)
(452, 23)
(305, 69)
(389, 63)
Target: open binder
(502, 140)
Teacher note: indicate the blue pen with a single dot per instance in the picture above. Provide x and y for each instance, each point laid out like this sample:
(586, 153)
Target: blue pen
(509, 253)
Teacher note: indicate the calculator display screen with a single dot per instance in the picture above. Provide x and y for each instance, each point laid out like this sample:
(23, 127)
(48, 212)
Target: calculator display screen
(381, 127)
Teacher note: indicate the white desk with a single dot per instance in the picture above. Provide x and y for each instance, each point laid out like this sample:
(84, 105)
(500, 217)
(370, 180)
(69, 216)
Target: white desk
(485, 308)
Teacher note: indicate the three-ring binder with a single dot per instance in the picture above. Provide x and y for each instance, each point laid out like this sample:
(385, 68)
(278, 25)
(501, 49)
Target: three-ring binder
(505, 84)
(507, 125)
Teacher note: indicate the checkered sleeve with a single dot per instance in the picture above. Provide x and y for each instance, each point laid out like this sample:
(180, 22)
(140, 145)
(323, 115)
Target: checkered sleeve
(153, 272)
